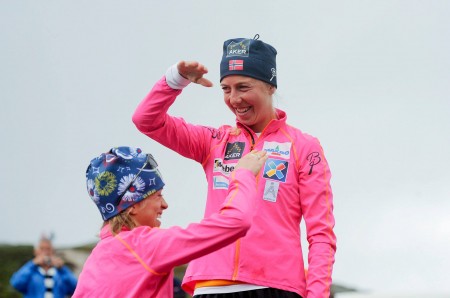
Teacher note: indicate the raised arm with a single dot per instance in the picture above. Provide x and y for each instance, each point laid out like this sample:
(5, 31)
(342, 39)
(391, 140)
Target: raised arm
(177, 246)
(152, 119)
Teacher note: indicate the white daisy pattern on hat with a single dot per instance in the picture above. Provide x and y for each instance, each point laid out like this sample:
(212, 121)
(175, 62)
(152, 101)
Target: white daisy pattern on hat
(137, 152)
(132, 192)
(120, 178)
(91, 190)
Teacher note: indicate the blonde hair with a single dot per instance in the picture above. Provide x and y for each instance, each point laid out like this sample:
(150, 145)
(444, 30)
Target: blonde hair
(124, 219)
(121, 220)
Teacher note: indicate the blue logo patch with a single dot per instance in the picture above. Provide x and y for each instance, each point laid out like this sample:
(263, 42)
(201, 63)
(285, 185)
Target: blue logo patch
(275, 169)
(220, 182)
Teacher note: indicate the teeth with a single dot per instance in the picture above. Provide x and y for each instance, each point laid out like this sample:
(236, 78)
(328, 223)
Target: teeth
(242, 110)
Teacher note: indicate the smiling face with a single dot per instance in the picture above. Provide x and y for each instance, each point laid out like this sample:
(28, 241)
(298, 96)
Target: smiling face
(148, 211)
(250, 100)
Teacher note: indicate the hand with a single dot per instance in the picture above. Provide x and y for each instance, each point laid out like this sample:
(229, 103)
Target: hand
(235, 131)
(39, 260)
(194, 71)
(252, 161)
(57, 262)
(48, 261)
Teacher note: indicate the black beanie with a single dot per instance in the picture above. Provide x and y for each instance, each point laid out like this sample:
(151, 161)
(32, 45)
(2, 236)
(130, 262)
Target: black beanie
(249, 57)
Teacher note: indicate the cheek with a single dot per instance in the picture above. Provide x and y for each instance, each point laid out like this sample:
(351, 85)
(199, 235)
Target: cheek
(265, 101)
(228, 103)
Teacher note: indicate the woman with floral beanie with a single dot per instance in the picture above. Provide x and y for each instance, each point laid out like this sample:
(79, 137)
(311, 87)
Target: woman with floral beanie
(134, 257)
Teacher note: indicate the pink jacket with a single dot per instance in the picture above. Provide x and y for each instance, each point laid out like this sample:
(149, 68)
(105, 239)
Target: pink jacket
(140, 262)
(294, 184)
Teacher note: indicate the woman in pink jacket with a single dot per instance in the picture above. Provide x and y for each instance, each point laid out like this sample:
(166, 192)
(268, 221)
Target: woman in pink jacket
(135, 258)
(293, 186)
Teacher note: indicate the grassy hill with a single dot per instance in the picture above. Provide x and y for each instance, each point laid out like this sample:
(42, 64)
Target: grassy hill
(11, 259)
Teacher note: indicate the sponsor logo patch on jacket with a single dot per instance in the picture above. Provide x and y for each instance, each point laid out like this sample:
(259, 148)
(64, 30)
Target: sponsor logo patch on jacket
(276, 169)
(271, 191)
(313, 159)
(234, 150)
(220, 167)
(278, 149)
(220, 182)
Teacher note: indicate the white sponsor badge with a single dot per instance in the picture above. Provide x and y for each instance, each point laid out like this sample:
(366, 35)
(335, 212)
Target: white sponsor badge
(282, 150)
(271, 191)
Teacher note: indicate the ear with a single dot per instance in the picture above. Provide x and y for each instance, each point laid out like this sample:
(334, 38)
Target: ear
(133, 209)
(272, 89)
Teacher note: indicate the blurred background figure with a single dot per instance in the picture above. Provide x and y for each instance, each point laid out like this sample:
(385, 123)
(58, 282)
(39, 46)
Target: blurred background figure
(45, 275)
(177, 290)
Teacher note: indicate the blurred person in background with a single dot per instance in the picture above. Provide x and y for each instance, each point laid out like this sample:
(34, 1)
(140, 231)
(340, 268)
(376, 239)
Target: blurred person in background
(177, 290)
(45, 276)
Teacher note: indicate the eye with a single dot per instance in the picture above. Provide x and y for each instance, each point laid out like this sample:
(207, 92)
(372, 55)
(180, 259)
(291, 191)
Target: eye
(225, 89)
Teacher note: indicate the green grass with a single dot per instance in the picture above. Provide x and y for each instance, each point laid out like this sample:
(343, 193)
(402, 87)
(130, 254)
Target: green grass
(11, 259)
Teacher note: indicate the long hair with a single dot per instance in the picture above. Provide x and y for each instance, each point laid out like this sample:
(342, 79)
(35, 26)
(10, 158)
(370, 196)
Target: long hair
(124, 219)
(120, 221)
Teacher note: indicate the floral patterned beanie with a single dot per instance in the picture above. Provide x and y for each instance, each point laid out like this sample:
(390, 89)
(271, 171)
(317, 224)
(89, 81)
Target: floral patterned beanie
(120, 178)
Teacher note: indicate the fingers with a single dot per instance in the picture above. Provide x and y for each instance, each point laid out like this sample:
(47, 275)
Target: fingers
(192, 66)
(258, 154)
(261, 157)
(235, 131)
(204, 82)
(57, 262)
(38, 260)
(194, 71)
(253, 161)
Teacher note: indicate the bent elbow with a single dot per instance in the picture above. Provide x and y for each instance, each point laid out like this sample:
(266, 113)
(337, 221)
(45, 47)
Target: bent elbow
(138, 120)
(17, 285)
(244, 223)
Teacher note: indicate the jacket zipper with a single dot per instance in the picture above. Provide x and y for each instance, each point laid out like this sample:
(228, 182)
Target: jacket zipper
(251, 135)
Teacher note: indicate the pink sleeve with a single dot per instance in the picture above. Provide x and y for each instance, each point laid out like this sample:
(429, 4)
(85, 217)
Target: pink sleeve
(317, 208)
(152, 119)
(176, 246)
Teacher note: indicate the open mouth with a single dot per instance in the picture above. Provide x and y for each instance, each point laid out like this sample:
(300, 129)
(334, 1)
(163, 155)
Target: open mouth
(242, 110)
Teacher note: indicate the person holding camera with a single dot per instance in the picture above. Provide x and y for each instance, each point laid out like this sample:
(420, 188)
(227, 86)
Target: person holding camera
(45, 275)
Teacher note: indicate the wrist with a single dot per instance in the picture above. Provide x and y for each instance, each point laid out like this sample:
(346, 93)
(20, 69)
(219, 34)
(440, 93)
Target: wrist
(174, 79)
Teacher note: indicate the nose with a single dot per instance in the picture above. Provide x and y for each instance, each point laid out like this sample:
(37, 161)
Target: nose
(234, 97)
(164, 204)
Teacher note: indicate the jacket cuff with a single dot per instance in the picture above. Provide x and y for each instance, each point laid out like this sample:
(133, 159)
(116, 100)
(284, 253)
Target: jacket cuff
(174, 79)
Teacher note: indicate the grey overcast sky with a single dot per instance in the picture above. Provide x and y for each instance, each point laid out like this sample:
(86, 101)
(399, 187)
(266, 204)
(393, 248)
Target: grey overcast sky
(370, 79)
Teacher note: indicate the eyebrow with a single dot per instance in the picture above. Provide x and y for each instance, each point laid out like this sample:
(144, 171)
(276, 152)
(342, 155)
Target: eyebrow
(237, 84)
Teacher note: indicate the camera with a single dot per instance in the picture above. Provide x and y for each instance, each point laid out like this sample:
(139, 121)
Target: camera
(47, 260)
